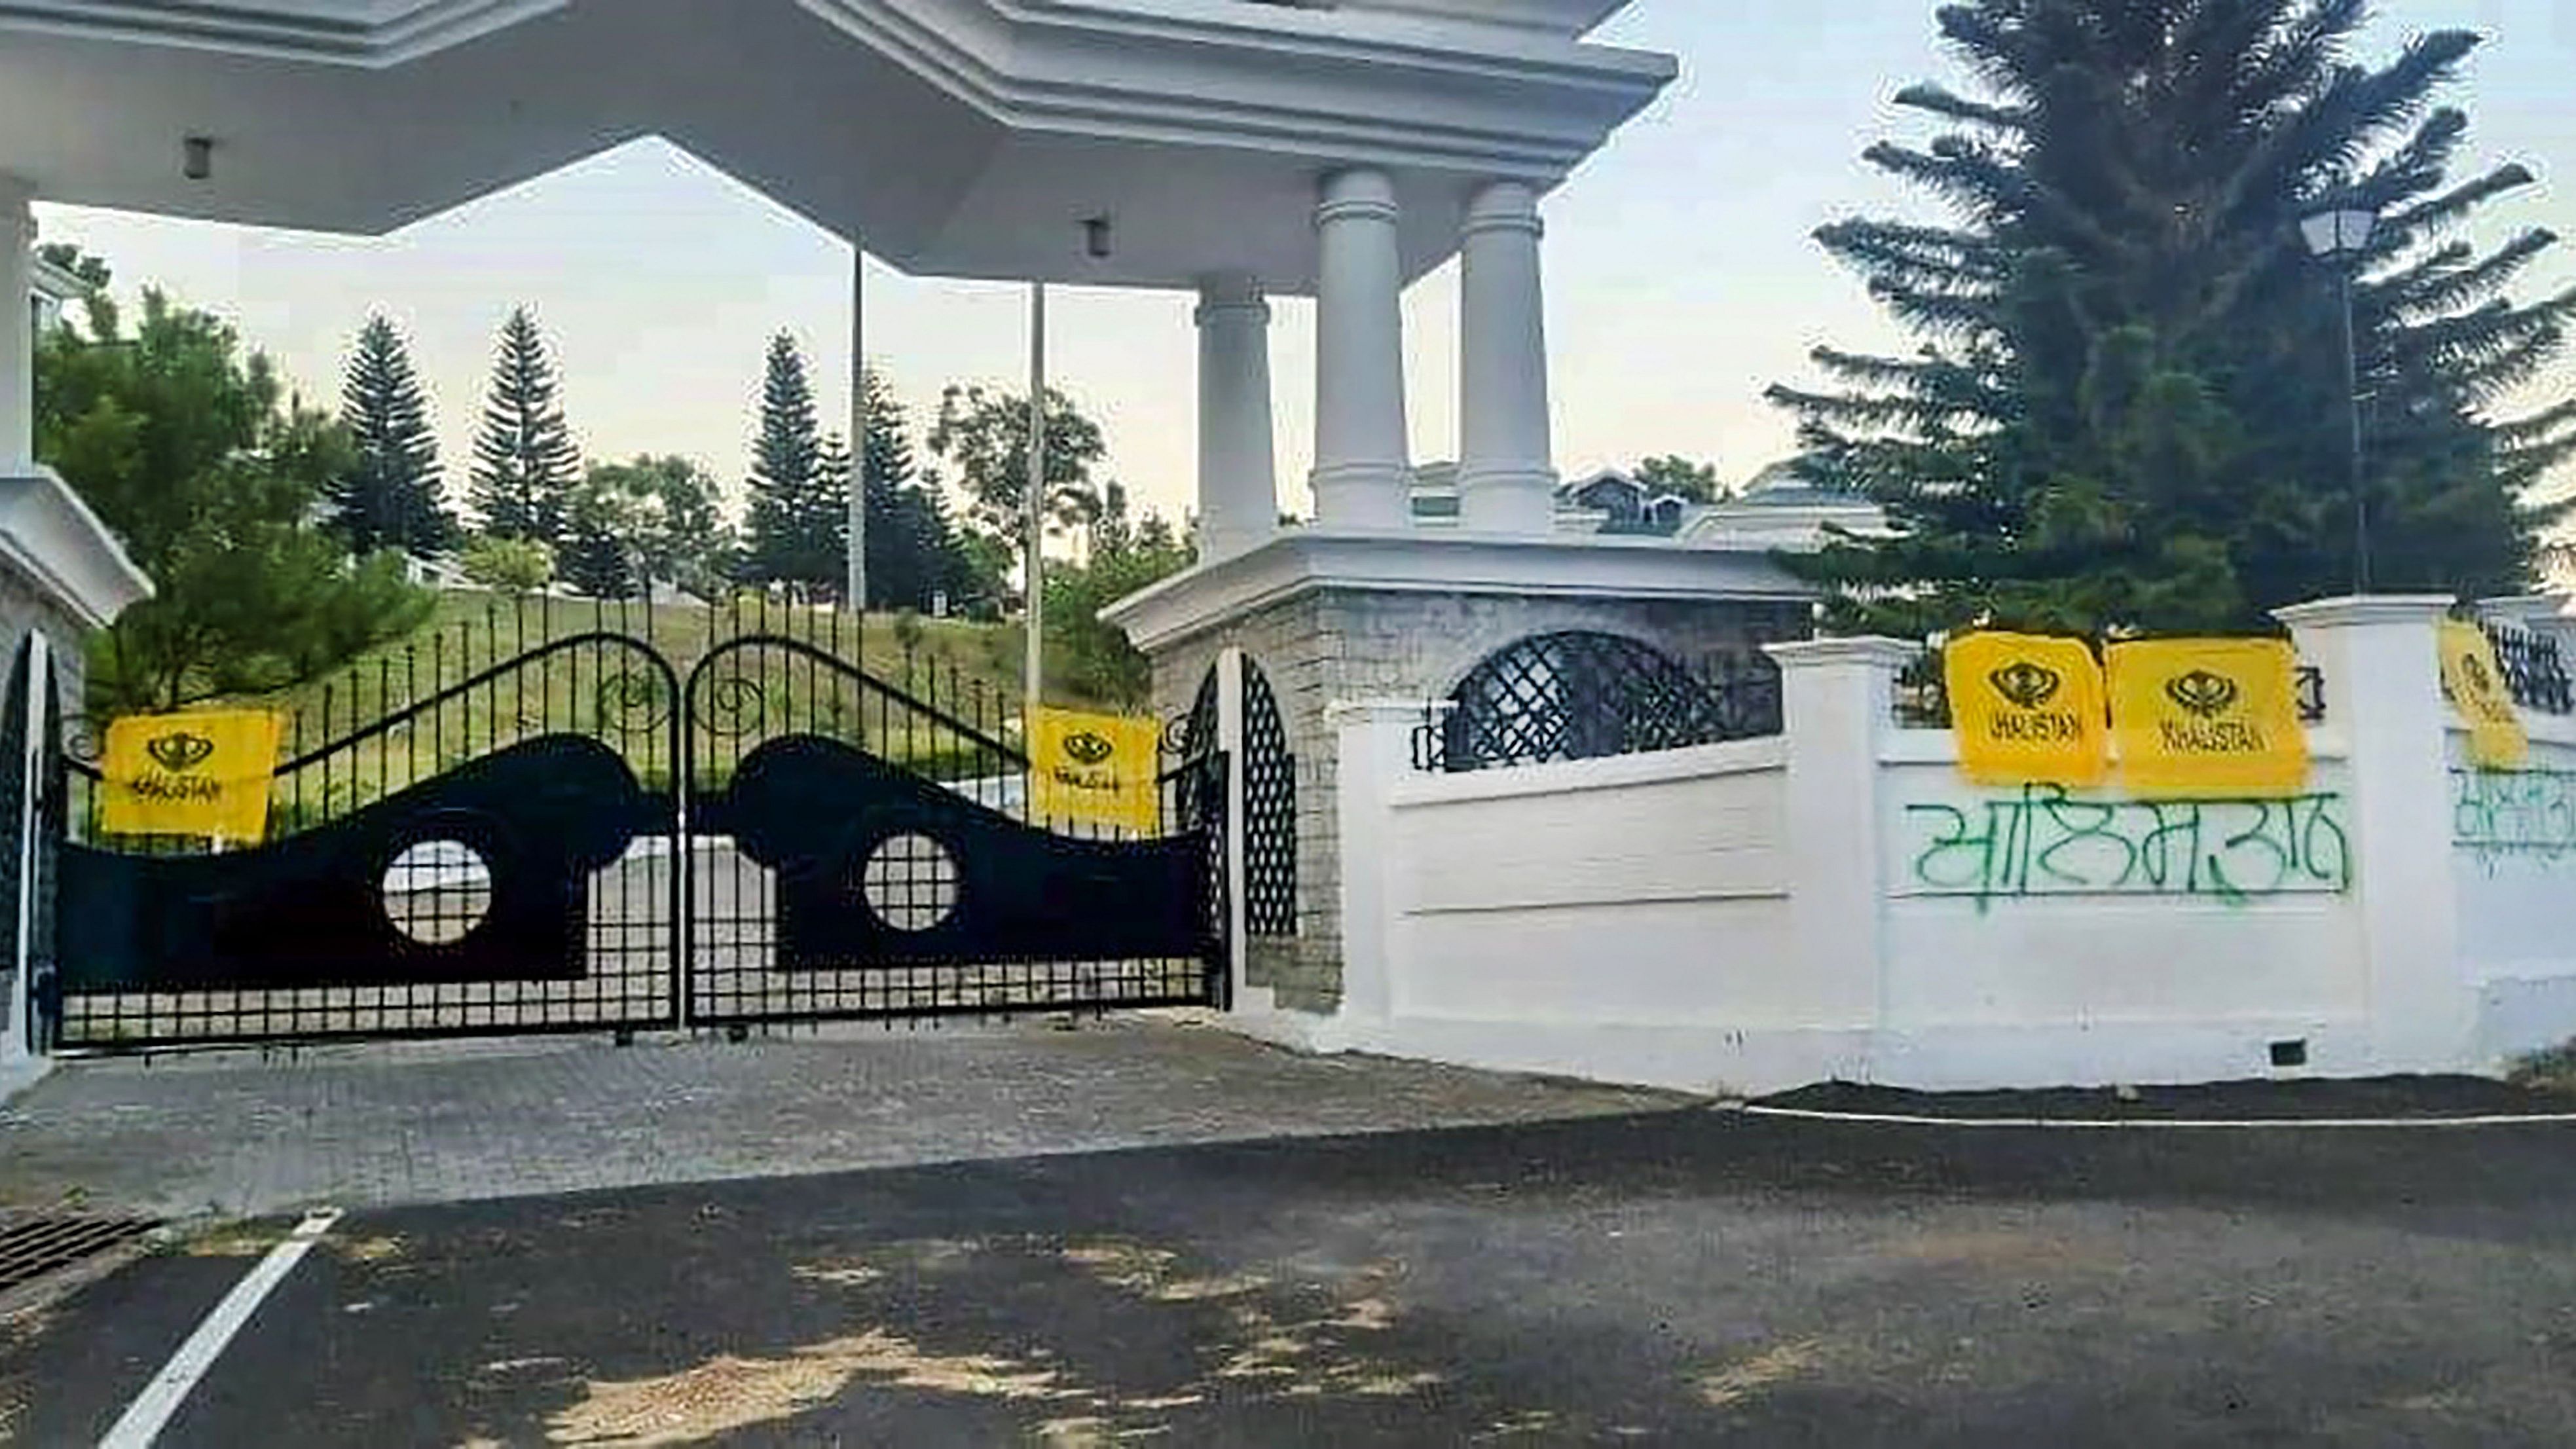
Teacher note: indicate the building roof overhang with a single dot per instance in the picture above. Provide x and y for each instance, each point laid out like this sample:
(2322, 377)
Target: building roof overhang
(956, 137)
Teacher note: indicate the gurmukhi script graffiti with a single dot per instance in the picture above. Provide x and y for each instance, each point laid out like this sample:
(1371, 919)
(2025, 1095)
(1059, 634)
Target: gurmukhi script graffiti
(2520, 813)
(2043, 841)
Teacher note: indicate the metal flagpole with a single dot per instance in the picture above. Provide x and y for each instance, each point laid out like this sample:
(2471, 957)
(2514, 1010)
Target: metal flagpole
(855, 593)
(1034, 676)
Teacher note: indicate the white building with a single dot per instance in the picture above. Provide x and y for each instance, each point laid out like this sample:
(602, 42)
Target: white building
(53, 289)
(1779, 509)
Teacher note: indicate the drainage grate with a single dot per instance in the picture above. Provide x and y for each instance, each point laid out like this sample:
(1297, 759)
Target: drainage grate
(31, 1247)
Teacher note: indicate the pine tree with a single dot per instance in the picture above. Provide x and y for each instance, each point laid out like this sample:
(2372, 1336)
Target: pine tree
(908, 535)
(2128, 409)
(525, 464)
(797, 521)
(393, 497)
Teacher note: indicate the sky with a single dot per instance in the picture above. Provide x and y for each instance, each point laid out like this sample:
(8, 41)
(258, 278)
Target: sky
(1682, 277)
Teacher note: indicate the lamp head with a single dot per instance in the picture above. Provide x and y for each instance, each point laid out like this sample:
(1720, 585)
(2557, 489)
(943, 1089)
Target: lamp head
(2340, 234)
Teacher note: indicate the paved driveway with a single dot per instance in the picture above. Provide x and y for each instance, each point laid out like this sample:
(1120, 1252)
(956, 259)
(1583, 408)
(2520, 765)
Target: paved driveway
(236, 1133)
(1678, 1277)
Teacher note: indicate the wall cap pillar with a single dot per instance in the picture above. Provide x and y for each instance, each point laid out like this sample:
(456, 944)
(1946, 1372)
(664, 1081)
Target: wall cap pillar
(1874, 649)
(2527, 610)
(2355, 610)
(1343, 712)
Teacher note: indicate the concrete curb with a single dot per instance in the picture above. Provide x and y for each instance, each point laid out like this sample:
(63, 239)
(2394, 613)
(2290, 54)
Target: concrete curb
(2239, 1124)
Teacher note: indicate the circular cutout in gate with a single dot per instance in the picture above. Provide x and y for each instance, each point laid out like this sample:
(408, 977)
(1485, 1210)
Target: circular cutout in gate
(910, 882)
(437, 891)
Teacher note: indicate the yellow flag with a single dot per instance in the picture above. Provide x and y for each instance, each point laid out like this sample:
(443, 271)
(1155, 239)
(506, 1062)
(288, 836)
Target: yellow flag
(2028, 710)
(190, 774)
(2208, 717)
(1094, 767)
(2478, 690)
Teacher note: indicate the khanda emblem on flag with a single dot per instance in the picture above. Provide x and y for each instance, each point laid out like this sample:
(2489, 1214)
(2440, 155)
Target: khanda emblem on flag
(203, 774)
(1088, 748)
(2203, 692)
(179, 752)
(2025, 684)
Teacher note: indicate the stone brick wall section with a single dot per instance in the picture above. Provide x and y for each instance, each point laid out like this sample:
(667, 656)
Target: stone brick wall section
(1350, 644)
(24, 607)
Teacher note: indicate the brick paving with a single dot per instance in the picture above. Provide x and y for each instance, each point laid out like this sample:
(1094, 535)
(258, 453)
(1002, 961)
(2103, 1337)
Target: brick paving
(239, 1133)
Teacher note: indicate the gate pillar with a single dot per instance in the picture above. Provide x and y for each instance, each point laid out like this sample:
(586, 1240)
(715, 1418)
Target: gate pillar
(1327, 616)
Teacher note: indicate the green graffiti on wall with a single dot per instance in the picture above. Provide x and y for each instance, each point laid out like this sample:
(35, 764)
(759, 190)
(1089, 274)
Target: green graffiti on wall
(2043, 841)
(2499, 816)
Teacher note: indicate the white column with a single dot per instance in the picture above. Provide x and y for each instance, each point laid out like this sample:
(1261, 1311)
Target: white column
(1241, 995)
(17, 333)
(854, 588)
(1238, 467)
(1374, 743)
(1837, 703)
(1363, 475)
(2384, 701)
(1506, 460)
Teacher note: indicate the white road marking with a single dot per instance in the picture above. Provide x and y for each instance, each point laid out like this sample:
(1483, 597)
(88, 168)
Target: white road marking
(1898, 1119)
(152, 1409)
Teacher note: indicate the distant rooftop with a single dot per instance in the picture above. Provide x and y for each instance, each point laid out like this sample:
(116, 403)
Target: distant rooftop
(1779, 486)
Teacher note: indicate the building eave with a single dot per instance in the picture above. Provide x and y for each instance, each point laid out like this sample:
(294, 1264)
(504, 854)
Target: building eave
(1019, 117)
(52, 538)
(58, 283)
(1301, 561)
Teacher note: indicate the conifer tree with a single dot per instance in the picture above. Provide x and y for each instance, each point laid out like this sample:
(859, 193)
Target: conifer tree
(525, 465)
(2128, 409)
(914, 554)
(796, 522)
(393, 496)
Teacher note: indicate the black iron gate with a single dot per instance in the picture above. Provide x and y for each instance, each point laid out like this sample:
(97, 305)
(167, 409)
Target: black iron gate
(578, 836)
(860, 848)
(490, 856)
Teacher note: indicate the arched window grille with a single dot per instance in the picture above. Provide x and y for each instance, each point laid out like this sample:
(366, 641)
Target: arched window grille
(1581, 696)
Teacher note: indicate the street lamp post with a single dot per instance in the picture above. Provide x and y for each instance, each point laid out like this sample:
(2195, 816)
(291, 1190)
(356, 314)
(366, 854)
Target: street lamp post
(2338, 238)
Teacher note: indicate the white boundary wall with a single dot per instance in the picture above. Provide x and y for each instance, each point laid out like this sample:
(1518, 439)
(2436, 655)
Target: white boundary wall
(1839, 903)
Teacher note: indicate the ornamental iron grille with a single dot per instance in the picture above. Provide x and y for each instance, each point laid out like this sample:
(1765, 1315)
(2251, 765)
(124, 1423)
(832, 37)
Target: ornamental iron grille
(552, 820)
(1269, 812)
(2534, 670)
(28, 875)
(1582, 696)
(1188, 741)
(1194, 797)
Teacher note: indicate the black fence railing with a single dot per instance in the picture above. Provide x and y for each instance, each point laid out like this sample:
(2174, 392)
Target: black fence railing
(2534, 669)
(1923, 695)
(1583, 696)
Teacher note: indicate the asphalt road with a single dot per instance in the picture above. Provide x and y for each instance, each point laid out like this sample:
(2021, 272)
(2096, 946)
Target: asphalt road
(1685, 1277)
